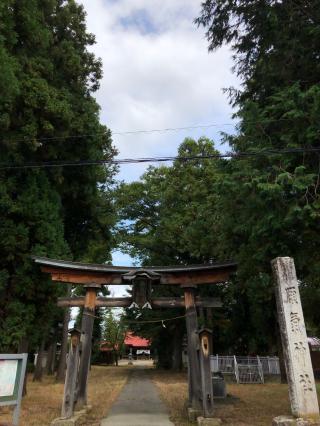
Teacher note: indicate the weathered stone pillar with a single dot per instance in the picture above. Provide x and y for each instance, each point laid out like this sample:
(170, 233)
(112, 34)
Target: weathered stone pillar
(302, 391)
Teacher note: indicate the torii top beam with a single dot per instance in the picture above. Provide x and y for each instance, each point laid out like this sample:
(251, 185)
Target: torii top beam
(101, 274)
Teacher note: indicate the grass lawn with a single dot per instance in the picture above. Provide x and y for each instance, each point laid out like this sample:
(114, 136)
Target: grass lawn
(254, 405)
(43, 401)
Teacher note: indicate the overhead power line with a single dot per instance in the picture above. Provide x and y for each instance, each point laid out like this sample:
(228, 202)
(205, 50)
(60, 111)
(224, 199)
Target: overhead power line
(115, 161)
(147, 131)
(125, 132)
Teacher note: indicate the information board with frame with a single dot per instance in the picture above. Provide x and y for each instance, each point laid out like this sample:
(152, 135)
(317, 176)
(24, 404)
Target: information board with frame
(12, 373)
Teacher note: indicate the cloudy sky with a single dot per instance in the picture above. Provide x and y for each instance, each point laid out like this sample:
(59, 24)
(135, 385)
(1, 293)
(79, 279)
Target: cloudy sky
(157, 74)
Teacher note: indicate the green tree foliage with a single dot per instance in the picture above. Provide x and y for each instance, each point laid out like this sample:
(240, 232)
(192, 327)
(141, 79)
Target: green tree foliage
(165, 218)
(48, 76)
(271, 203)
(249, 208)
(171, 216)
(31, 223)
(114, 333)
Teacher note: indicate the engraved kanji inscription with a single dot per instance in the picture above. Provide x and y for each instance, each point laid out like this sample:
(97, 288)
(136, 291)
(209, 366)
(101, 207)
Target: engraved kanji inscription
(295, 322)
(300, 351)
(292, 295)
(305, 382)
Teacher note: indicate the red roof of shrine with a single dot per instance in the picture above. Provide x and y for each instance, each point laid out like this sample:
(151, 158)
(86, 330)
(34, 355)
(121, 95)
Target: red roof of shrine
(130, 340)
(136, 341)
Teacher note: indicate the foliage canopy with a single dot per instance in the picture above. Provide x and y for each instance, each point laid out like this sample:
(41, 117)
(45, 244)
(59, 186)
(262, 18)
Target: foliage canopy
(48, 77)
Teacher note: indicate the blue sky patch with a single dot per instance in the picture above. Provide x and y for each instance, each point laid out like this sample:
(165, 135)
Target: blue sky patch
(139, 20)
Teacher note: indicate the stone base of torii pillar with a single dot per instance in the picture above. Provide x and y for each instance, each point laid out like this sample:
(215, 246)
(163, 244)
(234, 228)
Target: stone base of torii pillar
(293, 421)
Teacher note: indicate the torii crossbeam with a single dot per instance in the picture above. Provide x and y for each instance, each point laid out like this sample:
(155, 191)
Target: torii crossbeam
(93, 276)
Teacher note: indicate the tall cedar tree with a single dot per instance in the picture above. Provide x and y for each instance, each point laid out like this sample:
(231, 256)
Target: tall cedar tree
(48, 76)
(171, 217)
(271, 203)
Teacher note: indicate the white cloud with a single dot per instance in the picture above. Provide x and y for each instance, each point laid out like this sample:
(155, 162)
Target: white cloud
(157, 74)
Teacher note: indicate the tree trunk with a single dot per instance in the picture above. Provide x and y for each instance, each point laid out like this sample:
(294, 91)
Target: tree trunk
(37, 376)
(22, 349)
(62, 365)
(50, 358)
(177, 349)
(283, 373)
(54, 357)
(209, 317)
(201, 315)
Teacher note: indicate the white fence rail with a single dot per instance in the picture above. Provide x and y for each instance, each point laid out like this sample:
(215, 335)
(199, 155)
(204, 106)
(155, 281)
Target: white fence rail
(270, 365)
(246, 369)
(249, 373)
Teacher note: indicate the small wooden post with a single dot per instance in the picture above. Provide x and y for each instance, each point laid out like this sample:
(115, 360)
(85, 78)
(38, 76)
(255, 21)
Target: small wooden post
(69, 396)
(205, 336)
(192, 346)
(86, 342)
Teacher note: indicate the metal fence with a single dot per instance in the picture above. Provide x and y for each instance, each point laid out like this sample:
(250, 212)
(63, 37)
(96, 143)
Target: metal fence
(249, 373)
(270, 365)
(246, 369)
(225, 364)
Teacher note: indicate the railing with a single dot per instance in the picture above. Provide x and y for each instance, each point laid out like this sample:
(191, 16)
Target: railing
(225, 364)
(249, 373)
(270, 365)
(229, 364)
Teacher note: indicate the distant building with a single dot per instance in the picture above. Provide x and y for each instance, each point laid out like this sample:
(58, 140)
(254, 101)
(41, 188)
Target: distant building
(139, 347)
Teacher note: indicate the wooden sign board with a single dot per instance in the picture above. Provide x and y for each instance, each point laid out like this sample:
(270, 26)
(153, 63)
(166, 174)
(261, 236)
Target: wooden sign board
(12, 372)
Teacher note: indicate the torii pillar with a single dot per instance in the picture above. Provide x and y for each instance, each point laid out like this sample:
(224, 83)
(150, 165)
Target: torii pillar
(192, 346)
(86, 342)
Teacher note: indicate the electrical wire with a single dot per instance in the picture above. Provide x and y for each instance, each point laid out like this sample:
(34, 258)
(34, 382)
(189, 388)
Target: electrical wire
(115, 161)
(147, 131)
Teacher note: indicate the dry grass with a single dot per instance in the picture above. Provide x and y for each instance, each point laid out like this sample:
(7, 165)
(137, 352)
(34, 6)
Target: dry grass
(105, 385)
(253, 405)
(173, 391)
(43, 402)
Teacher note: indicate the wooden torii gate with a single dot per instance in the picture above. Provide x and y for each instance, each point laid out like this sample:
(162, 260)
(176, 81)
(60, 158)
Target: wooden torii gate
(94, 276)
